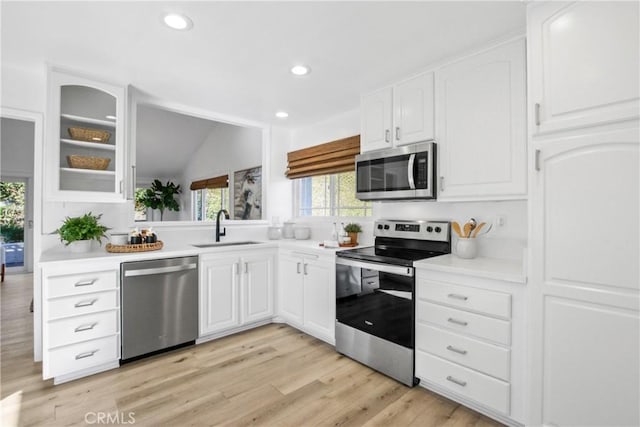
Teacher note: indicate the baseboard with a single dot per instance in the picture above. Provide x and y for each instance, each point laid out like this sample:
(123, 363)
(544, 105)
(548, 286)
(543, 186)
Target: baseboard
(86, 372)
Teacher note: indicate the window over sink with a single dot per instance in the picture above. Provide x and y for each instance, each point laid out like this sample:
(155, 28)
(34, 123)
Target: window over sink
(329, 195)
(207, 202)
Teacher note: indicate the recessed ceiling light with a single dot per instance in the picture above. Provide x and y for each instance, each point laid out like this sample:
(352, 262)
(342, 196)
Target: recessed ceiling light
(282, 114)
(300, 70)
(177, 21)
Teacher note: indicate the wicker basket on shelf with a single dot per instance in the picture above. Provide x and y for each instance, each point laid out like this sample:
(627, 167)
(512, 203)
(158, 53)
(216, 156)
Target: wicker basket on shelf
(88, 162)
(143, 247)
(89, 135)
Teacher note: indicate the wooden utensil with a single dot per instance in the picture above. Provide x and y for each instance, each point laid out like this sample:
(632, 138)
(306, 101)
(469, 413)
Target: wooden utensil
(456, 228)
(478, 228)
(467, 230)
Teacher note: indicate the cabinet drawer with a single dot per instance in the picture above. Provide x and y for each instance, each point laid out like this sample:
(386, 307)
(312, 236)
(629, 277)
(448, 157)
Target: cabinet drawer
(474, 299)
(82, 304)
(463, 381)
(81, 283)
(472, 353)
(87, 354)
(81, 328)
(495, 330)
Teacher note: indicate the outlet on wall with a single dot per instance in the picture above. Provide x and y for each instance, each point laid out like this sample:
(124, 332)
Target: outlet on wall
(499, 220)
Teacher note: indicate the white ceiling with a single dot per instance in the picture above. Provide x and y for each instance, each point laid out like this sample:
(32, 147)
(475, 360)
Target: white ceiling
(236, 59)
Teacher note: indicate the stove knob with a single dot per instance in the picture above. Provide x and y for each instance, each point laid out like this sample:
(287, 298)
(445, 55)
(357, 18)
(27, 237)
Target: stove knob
(386, 226)
(379, 226)
(429, 229)
(438, 229)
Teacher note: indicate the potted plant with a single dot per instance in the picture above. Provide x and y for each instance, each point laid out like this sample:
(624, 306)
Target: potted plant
(352, 230)
(78, 232)
(161, 197)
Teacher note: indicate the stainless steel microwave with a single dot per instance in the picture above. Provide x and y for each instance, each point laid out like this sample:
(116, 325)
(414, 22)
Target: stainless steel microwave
(406, 172)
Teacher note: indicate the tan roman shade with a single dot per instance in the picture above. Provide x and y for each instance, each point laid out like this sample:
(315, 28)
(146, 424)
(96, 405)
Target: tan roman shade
(217, 182)
(324, 159)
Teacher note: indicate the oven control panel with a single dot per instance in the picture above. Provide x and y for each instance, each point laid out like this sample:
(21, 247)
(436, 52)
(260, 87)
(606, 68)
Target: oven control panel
(423, 230)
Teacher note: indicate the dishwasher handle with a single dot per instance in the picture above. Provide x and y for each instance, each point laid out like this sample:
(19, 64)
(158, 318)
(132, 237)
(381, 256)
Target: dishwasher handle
(160, 270)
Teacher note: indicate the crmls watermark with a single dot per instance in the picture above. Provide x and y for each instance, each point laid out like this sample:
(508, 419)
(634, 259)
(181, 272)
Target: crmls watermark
(110, 418)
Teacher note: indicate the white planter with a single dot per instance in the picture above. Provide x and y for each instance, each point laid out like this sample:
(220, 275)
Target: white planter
(80, 246)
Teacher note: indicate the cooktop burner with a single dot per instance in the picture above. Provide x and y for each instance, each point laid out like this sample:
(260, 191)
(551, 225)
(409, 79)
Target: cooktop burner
(403, 242)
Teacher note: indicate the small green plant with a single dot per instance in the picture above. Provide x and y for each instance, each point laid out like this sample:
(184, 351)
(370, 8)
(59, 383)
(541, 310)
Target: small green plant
(353, 228)
(161, 197)
(12, 233)
(85, 227)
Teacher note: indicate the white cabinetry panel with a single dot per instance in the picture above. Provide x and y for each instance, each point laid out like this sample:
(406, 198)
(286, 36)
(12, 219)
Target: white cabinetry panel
(481, 132)
(591, 361)
(585, 60)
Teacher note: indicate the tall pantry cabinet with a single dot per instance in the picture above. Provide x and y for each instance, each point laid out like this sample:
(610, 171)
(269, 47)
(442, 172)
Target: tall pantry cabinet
(584, 290)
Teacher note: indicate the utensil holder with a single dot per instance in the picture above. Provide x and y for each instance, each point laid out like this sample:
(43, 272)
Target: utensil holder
(466, 248)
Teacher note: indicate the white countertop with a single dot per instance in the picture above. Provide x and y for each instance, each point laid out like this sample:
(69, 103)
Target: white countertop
(492, 268)
(62, 254)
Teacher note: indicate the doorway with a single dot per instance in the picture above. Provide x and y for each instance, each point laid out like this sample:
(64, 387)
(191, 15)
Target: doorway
(16, 193)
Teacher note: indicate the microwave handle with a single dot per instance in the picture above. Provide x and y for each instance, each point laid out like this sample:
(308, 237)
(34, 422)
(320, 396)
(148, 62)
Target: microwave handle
(412, 160)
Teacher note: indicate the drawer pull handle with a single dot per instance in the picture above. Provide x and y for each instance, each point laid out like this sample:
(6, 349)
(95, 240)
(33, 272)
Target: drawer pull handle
(368, 323)
(86, 282)
(85, 303)
(85, 355)
(456, 381)
(458, 296)
(457, 322)
(85, 327)
(456, 350)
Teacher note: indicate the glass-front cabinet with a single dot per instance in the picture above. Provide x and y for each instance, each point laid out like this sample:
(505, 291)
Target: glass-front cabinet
(85, 147)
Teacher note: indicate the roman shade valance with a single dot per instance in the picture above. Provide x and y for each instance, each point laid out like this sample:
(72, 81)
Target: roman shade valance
(217, 182)
(331, 157)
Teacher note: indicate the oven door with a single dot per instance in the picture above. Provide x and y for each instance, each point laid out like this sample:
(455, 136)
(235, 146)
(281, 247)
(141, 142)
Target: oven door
(377, 299)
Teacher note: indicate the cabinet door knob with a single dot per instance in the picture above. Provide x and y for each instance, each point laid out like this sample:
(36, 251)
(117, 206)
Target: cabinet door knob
(85, 303)
(456, 381)
(457, 322)
(87, 354)
(246, 268)
(298, 268)
(537, 114)
(458, 296)
(85, 283)
(305, 268)
(387, 135)
(456, 350)
(397, 133)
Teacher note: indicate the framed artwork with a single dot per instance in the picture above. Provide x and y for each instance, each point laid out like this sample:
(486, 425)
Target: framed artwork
(247, 193)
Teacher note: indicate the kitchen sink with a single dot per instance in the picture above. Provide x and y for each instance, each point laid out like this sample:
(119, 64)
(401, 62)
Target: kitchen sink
(221, 244)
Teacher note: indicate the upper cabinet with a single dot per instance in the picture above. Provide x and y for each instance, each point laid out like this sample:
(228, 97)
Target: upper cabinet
(584, 64)
(481, 125)
(398, 115)
(85, 140)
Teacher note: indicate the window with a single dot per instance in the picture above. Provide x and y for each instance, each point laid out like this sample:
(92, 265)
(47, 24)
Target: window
(329, 195)
(208, 201)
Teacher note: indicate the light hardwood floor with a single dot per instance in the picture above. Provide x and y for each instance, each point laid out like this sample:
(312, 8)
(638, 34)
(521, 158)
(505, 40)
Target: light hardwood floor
(271, 376)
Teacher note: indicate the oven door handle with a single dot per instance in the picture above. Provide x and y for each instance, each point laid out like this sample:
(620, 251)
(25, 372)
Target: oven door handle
(385, 268)
(412, 160)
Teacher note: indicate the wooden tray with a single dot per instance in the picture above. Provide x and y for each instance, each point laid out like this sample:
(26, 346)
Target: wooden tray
(348, 245)
(143, 247)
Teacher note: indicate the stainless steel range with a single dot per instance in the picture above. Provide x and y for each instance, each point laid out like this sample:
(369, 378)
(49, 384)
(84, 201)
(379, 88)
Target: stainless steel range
(375, 294)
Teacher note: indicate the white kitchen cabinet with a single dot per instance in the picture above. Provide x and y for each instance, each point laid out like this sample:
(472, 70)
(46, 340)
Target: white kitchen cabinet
(307, 293)
(585, 279)
(481, 125)
(235, 290)
(79, 102)
(584, 60)
(398, 115)
(471, 341)
(80, 319)
(219, 293)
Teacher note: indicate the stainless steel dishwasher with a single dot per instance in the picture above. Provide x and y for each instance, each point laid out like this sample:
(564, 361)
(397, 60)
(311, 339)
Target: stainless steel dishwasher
(159, 305)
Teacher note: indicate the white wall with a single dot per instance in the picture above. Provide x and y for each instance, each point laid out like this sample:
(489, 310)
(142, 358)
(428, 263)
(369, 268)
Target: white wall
(226, 150)
(17, 147)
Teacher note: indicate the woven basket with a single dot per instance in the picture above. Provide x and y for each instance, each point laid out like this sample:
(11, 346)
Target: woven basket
(88, 162)
(144, 247)
(89, 135)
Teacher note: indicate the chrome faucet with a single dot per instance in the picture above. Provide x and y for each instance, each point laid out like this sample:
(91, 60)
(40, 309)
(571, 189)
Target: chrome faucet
(224, 230)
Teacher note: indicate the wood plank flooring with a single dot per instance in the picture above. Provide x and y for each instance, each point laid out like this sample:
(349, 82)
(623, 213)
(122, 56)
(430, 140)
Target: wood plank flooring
(269, 376)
